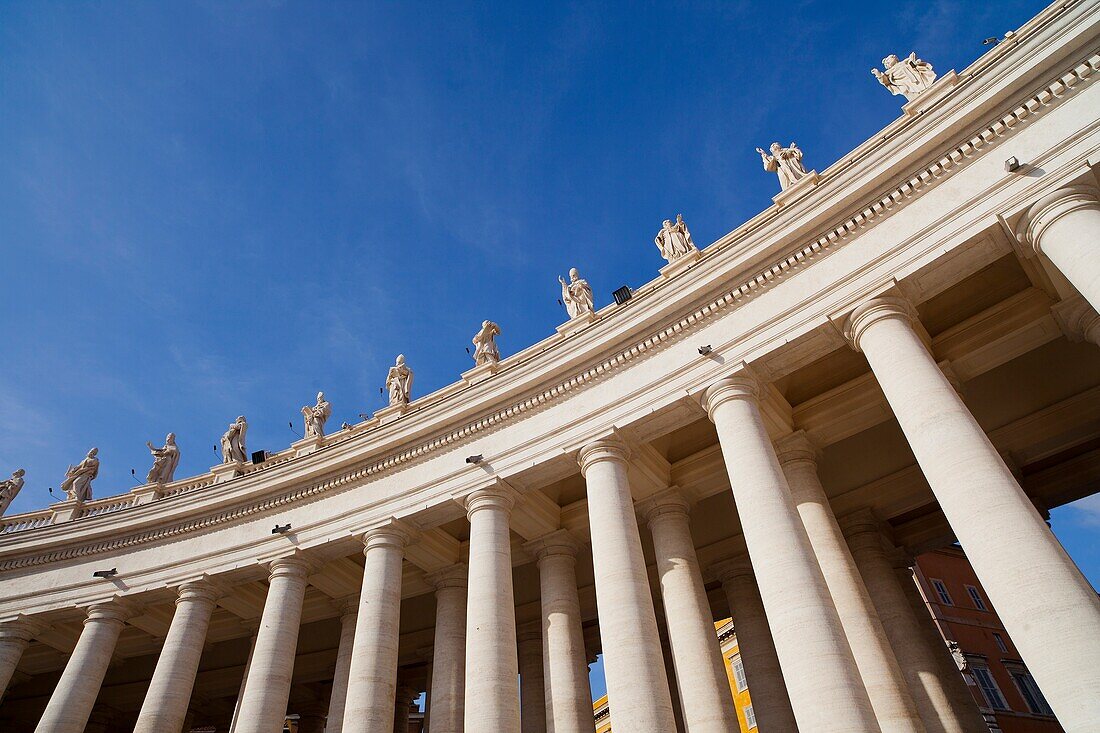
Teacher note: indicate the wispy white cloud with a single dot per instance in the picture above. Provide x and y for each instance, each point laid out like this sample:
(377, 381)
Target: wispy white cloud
(1086, 511)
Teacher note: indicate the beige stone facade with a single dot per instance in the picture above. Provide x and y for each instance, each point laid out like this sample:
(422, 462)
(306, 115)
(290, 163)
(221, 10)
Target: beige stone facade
(900, 353)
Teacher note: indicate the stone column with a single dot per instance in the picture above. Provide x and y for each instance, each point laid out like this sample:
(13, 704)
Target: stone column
(253, 627)
(492, 692)
(311, 718)
(1065, 226)
(930, 687)
(1022, 566)
(334, 723)
(74, 696)
(1078, 320)
(701, 678)
(882, 676)
(15, 637)
(825, 687)
(568, 695)
(402, 703)
(532, 703)
(637, 685)
(372, 677)
(267, 687)
(770, 700)
(448, 670)
(169, 693)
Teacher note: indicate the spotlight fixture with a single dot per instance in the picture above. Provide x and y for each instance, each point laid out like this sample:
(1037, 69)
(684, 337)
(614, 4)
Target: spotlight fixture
(1012, 164)
(364, 416)
(344, 426)
(475, 459)
(281, 529)
(704, 350)
(105, 573)
(991, 41)
(259, 457)
(622, 294)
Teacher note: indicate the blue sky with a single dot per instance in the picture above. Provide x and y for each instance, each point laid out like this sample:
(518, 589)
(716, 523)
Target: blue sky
(212, 209)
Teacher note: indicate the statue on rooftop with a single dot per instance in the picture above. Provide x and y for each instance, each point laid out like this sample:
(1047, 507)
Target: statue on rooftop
(9, 488)
(399, 382)
(787, 162)
(485, 345)
(78, 479)
(576, 294)
(674, 240)
(909, 76)
(316, 417)
(165, 461)
(233, 445)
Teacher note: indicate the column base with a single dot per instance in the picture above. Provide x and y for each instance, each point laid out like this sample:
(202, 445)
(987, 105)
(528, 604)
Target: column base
(226, 471)
(681, 263)
(931, 95)
(801, 186)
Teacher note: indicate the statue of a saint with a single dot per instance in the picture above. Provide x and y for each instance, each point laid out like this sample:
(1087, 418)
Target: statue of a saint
(165, 461)
(909, 76)
(576, 294)
(399, 381)
(485, 345)
(316, 417)
(9, 488)
(78, 479)
(233, 446)
(787, 162)
(674, 240)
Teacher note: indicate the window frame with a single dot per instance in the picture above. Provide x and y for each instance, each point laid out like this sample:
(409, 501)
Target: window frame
(1029, 690)
(976, 598)
(740, 681)
(942, 593)
(750, 716)
(981, 671)
(1000, 642)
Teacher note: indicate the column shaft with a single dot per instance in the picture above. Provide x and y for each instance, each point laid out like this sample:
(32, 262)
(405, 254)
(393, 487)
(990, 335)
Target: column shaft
(701, 678)
(15, 636)
(448, 671)
(1065, 226)
(267, 687)
(882, 676)
(1023, 567)
(492, 666)
(770, 700)
(637, 686)
(372, 677)
(826, 690)
(75, 694)
(568, 696)
(334, 722)
(254, 629)
(169, 694)
(927, 683)
(532, 702)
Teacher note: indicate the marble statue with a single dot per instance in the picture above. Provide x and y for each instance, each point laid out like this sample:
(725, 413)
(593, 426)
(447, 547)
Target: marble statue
(576, 294)
(674, 240)
(957, 654)
(233, 446)
(78, 479)
(399, 381)
(316, 417)
(165, 461)
(909, 76)
(485, 345)
(787, 162)
(9, 488)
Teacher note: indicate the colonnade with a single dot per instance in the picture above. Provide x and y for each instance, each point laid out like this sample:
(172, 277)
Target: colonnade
(828, 633)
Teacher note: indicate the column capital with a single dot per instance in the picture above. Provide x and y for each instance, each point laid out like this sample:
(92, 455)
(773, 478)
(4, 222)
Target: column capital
(116, 610)
(727, 570)
(559, 543)
(670, 503)
(201, 591)
(1077, 319)
(454, 576)
(739, 386)
(293, 566)
(529, 632)
(1052, 207)
(391, 533)
(873, 311)
(797, 447)
(21, 628)
(605, 449)
(862, 528)
(499, 497)
(347, 606)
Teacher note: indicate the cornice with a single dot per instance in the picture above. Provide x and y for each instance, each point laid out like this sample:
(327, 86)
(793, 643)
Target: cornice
(759, 280)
